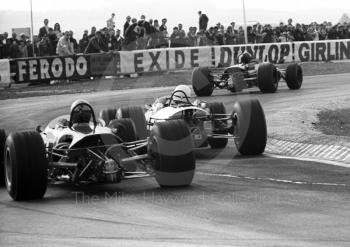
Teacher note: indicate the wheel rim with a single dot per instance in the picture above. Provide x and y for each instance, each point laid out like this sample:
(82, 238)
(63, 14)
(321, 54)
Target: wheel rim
(8, 169)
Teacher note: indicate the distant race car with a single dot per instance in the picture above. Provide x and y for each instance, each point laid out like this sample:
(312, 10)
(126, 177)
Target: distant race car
(248, 73)
(76, 148)
(209, 124)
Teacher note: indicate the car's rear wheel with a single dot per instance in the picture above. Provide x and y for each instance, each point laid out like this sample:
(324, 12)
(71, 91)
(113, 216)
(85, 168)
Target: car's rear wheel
(217, 108)
(25, 166)
(201, 82)
(124, 128)
(170, 148)
(2, 152)
(249, 127)
(137, 115)
(107, 115)
(294, 76)
(267, 78)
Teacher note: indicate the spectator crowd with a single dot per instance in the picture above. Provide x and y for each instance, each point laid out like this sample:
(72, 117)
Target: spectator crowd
(138, 34)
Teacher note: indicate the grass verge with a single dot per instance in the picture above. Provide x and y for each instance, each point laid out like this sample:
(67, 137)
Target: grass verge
(334, 122)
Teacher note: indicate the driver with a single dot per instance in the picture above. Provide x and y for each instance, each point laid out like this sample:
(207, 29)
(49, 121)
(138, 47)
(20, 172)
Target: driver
(80, 112)
(178, 98)
(244, 58)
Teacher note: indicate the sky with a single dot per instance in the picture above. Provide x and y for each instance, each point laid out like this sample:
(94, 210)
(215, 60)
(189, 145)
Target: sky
(78, 15)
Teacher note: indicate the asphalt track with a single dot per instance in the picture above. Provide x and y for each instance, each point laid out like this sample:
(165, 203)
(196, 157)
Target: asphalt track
(233, 201)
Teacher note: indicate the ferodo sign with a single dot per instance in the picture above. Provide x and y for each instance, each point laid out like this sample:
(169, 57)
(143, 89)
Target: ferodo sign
(274, 53)
(51, 68)
(325, 50)
(164, 59)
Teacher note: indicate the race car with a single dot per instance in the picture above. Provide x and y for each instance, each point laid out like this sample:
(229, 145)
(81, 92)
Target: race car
(77, 149)
(208, 123)
(247, 73)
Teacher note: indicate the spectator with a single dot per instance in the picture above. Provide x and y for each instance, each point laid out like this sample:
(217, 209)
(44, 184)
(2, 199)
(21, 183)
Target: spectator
(131, 34)
(119, 41)
(267, 34)
(57, 31)
(51, 42)
(126, 24)
(94, 44)
(30, 48)
(156, 25)
(298, 33)
(219, 35)
(83, 42)
(203, 21)
(230, 37)
(163, 28)
(73, 42)
(2, 47)
(64, 47)
(175, 38)
(104, 39)
(250, 35)
(44, 31)
(290, 22)
(93, 32)
(111, 22)
(240, 36)
(210, 36)
(23, 51)
(191, 37)
(181, 32)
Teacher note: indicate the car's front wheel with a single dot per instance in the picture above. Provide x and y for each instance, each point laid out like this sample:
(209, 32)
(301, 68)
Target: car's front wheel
(25, 166)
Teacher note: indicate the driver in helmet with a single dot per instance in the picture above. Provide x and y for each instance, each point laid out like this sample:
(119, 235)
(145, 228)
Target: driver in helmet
(244, 58)
(80, 112)
(180, 95)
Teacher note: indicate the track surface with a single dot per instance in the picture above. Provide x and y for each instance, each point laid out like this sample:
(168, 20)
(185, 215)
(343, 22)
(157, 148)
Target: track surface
(234, 201)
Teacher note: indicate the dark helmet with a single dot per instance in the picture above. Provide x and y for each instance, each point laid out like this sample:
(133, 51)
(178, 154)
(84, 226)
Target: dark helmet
(244, 58)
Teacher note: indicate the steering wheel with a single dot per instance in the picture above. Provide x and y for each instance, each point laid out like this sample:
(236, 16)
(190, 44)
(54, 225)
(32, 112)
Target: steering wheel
(187, 102)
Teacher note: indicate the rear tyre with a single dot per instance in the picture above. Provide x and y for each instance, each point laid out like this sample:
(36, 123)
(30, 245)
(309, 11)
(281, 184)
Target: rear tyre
(107, 115)
(2, 157)
(267, 78)
(294, 76)
(25, 166)
(249, 127)
(137, 115)
(170, 148)
(124, 128)
(201, 82)
(218, 125)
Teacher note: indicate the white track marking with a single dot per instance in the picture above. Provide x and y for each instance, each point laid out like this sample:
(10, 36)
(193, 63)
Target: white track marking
(269, 179)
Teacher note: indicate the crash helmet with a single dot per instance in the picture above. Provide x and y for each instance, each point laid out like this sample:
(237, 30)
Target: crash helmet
(81, 111)
(181, 92)
(244, 58)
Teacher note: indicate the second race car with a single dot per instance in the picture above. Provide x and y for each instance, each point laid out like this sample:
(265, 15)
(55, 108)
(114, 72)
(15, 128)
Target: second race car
(209, 123)
(246, 74)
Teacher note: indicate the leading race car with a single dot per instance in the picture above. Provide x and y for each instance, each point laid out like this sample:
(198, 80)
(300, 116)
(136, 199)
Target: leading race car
(246, 74)
(209, 124)
(78, 149)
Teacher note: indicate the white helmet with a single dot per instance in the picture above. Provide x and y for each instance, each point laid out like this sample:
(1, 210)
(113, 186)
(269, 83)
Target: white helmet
(81, 111)
(181, 92)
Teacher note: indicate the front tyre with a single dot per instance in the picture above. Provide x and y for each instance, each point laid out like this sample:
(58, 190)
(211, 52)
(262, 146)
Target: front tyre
(267, 78)
(201, 82)
(170, 148)
(249, 127)
(294, 76)
(25, 166)
(2, 152)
